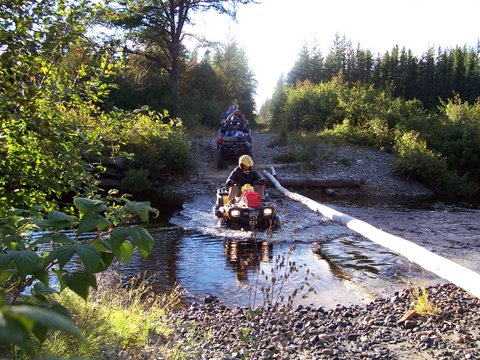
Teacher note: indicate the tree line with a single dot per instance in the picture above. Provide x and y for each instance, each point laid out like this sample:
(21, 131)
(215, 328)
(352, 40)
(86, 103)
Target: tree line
(434, 76)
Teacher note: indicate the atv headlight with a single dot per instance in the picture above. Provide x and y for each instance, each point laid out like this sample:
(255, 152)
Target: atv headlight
(267, 211)
(234, 213)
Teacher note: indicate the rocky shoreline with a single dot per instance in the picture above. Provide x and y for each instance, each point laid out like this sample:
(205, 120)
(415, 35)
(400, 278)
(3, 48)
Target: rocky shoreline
(382, 329)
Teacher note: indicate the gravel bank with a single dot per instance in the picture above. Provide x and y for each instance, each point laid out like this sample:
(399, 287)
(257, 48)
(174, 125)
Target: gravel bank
(379, 330)
(331, 162)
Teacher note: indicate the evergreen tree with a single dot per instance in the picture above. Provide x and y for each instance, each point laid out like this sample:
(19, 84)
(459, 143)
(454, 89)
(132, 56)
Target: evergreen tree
(427, 88)
(336, 59)
(231, 64)
(302, 69)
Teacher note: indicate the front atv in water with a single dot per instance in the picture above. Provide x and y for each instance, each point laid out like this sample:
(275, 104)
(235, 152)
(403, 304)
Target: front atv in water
(245, 214)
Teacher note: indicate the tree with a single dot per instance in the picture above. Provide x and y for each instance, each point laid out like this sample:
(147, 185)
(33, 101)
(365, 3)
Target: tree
(231, 65)
(41, 96)
(157, 27)
(302, 69)
(52, 80)
(336, 60)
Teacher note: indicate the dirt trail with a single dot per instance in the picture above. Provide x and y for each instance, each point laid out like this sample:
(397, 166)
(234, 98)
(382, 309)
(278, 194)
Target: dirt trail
(330, 162)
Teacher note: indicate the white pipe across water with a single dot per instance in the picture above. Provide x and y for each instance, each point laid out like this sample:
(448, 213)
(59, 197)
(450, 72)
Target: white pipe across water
(457, 274)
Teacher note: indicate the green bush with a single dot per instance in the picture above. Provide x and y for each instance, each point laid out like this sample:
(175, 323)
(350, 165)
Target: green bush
(439, 149)
(311, 107)
(415, 160)
(136, 180)
(157, 142)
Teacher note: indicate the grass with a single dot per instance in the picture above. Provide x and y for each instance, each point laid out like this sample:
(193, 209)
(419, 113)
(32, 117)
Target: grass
(116, 319)
(421, 304)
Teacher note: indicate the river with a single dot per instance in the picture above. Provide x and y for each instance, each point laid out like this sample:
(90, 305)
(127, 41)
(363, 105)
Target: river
(310, 260)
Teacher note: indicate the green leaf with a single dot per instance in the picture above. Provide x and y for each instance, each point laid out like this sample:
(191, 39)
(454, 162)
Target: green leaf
(5, 275)
(62, 253)
(107, 258)
(79, 282)
(120, 234)
(89, 255)
(62, 238)
(60, 220)
(126, 252)
(40, 288)
(44, 317)
(42, 275)
(13, 332)
(141, 209)
(40, 332)
(85, 205)
(142, 238)
(5, 260)
(117, 238)
(91, 222)
(44, 239)
(26, 261)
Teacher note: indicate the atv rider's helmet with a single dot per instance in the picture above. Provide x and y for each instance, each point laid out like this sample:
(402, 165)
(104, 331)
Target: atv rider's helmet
(245, 162)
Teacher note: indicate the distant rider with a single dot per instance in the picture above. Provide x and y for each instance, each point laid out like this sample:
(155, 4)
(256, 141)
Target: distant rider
(237, 120)
(241, 175)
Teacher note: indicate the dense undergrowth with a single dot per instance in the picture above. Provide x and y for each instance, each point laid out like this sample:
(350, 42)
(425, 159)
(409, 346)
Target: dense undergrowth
(118, 320)
(439, 149)
(58, 229)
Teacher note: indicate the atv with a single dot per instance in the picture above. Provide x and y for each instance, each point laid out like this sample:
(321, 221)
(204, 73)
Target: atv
(231, 144)
(248, 213)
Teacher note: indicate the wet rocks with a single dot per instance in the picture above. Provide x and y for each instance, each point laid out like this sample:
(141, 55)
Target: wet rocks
(214, 331)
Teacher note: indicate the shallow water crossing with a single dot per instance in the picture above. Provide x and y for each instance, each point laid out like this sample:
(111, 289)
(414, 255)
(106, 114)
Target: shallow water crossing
(310, 260)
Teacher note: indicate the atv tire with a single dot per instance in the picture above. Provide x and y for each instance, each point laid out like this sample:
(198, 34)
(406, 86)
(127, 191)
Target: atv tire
(219, 160)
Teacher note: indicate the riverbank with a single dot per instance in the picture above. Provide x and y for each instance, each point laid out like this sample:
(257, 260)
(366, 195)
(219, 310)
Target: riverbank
(383, 329)
(330, 161)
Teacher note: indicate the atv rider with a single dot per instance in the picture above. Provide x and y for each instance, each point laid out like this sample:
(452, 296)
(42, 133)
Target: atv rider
(237, 119)
(241, 175)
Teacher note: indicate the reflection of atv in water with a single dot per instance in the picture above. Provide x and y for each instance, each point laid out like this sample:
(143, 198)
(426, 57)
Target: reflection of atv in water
(231, 144)
(249, 213)
(245, 256)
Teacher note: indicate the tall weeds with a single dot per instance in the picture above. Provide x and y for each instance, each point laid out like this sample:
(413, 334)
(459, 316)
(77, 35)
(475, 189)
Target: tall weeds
(126, 320)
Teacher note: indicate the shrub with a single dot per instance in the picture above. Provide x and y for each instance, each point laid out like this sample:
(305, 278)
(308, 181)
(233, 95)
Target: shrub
(116, 319)
(159, 143)
(136, 180)
(311, 107)
(415, 160)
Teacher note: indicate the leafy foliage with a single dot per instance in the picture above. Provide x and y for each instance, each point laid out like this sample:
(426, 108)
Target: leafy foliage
(43, 83)
(157, 142)
(440, 150)
(38, 246)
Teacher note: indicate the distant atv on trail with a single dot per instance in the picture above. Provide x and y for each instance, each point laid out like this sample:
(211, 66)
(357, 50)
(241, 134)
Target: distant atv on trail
(234, 137)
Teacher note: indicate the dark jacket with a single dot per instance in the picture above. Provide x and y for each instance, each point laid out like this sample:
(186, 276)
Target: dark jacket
(238, 177)
(237, 120)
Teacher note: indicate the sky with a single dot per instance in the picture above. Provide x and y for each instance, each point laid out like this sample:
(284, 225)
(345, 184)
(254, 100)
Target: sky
(273, 32)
